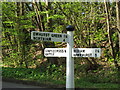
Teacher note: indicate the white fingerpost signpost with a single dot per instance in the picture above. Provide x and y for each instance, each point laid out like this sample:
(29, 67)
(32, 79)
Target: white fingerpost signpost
(70, 60)
(68, 52)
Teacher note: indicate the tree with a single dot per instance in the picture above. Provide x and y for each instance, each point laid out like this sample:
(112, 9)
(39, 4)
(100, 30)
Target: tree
(93, 23)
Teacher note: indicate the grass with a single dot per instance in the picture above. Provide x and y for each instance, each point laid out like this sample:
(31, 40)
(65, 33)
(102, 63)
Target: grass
(56, 77)
(84, 84)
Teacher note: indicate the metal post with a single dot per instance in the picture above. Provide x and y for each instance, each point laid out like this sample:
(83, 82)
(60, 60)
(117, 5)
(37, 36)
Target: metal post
(70, 60)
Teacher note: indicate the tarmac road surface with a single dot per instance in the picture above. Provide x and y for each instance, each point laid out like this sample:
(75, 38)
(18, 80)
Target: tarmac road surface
(15, 85)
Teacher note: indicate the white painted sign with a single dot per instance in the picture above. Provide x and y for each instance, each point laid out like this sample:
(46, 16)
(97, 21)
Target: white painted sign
(68, 52)
(76, 52)
(86, 52)
(55, 52)
(49, 36)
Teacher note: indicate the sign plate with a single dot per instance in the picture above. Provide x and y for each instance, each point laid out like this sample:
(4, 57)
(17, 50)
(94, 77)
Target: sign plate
(49, 36)
(55, 52)
(76, 52)
(86, 52)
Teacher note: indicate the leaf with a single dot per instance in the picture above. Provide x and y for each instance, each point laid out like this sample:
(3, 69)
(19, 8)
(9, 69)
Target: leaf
(56, 16)
(30, 14)
(8, 22)
(43, 12)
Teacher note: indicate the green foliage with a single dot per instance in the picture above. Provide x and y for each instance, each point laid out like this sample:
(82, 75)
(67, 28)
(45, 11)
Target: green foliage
(33, 74)
(99, 79)
(53, 72)
(98, 86)
(56, 17)
(89, 19)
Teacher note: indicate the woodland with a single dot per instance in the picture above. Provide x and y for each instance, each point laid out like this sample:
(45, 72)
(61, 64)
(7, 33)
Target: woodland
(97, 25)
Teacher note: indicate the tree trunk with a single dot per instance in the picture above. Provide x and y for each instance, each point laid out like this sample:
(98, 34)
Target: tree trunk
(21, 34)
(19, 13)
(118, 19)
(50, 29)
(110, 34)
(108, 28)
(118, 27)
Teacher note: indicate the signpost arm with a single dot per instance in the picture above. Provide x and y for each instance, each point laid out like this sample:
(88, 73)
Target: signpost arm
(70, 60)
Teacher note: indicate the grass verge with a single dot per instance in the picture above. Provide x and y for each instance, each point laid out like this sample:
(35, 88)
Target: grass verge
(52, 79)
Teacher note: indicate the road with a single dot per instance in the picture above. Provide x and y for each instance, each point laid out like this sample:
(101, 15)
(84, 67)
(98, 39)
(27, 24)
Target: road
(15, 85)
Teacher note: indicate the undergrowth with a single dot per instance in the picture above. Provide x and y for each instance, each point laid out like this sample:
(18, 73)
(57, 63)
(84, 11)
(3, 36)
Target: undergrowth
(55, 75)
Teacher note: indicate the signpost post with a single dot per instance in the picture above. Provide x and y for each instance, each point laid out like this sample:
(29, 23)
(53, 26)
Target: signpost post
(68, 52)
(70, 60)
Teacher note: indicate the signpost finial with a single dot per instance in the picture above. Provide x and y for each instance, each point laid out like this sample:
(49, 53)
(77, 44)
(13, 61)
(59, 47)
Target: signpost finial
(70, 28)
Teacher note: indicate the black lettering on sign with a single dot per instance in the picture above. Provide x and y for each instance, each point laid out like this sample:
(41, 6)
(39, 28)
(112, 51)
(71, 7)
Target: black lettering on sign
(43, 34)
(83, 50)
(97, 51)
(95, 55)
(42, 38)
(38, 38)
(90, 54)
(59, 51)
(63, 40)
(34, 38)
(50, 50)
(65, 51)
(60, 36)
(49, 38)
(56, 50)
(40, 34)
(81, 55)
(76, 51)
(48, 34)
(76, 54)
(47, 54)
(52, 54)
(87, 55)
(65, 36)
(56, 35)
(36, 34)
(52, 35)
